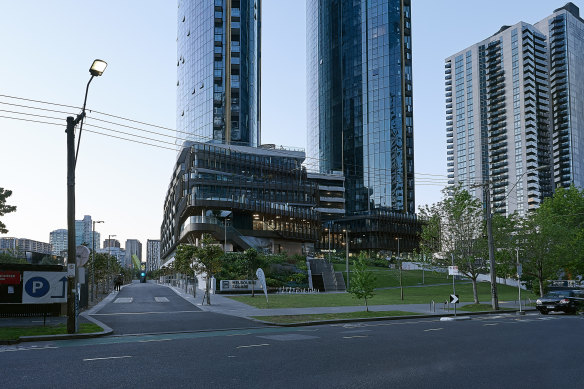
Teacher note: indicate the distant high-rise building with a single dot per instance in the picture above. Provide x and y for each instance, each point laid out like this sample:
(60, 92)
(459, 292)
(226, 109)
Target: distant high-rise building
(360, 114)
(152, 254)
(58, 240)
(83, 229)
(19, 246)
(111, 243)
(514, 112)
(218, 71)
(133, 247)
(83, 235)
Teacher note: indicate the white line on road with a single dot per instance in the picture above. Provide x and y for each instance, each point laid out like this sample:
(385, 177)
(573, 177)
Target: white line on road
(142, 313)
(153, 340)
(100, 359)
(254, 345)
(124, 300)
(491, 324)
(433, 329)
(355, 336)
(161, 299)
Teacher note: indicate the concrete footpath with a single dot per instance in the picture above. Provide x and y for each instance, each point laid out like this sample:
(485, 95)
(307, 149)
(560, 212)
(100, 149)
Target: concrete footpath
(228, 306)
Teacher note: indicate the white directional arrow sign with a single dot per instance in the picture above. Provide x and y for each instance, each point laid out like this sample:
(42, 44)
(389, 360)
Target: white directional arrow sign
(453, 299)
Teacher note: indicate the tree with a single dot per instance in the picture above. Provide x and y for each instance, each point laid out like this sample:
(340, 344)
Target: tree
(252, 261)
(506, 238)
(453, 231)
(363, 280)
(205, 259)
(5, 208)
(537, 261)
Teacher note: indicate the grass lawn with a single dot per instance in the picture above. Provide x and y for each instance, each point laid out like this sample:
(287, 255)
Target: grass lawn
(423, 295)
(390, 277)
(13, 333)
(287, 319)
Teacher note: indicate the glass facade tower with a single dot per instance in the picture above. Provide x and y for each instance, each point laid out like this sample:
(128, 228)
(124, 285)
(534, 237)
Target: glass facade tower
(218, 71)
(359, 86)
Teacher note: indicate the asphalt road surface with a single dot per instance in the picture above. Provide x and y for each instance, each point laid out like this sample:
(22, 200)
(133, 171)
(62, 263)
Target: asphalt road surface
(505, 351)
(149, 308)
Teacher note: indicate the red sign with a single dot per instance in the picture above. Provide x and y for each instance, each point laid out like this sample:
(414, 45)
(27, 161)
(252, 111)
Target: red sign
(9, 277)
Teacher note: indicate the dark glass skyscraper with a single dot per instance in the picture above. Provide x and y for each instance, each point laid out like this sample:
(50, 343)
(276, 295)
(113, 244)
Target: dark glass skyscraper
(359, 84)
(218, 86)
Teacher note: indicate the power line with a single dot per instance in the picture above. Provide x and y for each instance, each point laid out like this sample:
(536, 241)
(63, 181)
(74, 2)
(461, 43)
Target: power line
(377, 171)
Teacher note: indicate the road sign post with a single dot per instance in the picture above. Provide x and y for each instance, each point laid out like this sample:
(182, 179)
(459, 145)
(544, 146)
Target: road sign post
(454, 300)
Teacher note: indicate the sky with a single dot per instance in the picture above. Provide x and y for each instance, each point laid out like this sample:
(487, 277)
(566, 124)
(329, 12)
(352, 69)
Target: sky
(48, 47)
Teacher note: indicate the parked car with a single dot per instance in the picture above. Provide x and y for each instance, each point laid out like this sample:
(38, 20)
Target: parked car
(567, 301)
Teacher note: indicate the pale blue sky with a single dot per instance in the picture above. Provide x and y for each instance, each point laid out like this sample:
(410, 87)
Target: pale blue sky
(48, 46)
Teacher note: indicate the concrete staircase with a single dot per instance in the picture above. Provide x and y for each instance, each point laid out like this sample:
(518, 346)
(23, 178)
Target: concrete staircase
(333, 281)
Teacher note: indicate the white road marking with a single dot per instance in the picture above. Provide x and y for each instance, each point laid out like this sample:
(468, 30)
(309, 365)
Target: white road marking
(355, 336)
(142, 313)
(101, 359)
(154, 340)
(491, 324)
(433, 329)
(123, 300)
(161, 299)
(254, 345)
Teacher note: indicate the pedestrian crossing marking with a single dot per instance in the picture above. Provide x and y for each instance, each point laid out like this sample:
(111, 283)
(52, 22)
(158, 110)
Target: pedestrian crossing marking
(124, 300)
(161, 299)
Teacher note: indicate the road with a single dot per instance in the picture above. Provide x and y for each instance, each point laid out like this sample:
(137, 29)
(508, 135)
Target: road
(504, 351)
(149, 308)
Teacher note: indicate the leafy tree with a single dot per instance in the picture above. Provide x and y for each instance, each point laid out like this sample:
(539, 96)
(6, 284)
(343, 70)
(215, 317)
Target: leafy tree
(363, 280)
(5, 208)
(252, 262)
(453, 231)
(506, 238)
(205, 259)
(8, 257)
(562, 218)
(537, 261)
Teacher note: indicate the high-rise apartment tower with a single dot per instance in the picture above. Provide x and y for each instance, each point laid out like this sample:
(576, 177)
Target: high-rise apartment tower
(515, 112)
(219, 71)
(359, 86)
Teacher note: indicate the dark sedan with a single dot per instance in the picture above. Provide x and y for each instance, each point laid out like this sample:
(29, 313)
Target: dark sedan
(567, 301)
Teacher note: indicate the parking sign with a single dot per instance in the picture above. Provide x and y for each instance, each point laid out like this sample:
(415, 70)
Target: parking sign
(43, 287)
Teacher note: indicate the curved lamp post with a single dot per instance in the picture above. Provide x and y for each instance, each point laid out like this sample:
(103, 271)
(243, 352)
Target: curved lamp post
(96, 69)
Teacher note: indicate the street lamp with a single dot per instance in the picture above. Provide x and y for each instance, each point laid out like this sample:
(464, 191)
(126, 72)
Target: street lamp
(109, 254)
(401, 287)
(347, 255)
(97, 69)
(93, 258)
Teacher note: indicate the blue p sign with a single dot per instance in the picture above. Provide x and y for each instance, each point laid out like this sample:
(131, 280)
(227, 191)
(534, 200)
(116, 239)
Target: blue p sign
(37, 287)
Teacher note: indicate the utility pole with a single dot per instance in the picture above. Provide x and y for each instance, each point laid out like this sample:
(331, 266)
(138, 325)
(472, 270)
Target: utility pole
(72, 303)
(491, 244)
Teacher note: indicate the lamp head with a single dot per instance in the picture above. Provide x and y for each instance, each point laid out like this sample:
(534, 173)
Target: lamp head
(97, 67)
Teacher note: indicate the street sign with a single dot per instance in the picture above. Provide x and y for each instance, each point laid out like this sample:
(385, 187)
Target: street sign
(9, 277)
(453, 299)
(82, 254)
(42, 287)
(71, 270)
(453, 271)
(519, 270)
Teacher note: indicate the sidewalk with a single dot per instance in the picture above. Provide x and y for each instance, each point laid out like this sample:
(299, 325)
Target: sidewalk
(227, 306)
